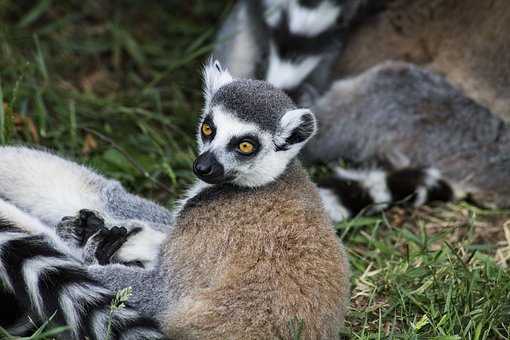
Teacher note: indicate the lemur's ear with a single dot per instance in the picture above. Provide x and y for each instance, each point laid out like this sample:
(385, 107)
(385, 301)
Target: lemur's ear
(214, 78)
(295, 128)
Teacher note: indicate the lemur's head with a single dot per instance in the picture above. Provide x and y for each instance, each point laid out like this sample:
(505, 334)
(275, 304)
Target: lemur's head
(249, 130)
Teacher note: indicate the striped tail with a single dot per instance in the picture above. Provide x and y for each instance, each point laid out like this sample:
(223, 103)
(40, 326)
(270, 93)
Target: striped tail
(11, 312)
(351, 192)
(48, 283)
(302, 37)
(304, 41)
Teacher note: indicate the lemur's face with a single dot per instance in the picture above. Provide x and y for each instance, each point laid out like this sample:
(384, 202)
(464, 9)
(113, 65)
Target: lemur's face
(249, 131)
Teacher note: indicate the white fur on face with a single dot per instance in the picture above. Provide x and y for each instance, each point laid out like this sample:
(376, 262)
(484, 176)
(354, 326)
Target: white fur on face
(229, 126)
(214, 78)
(266, 168)
(254, 171)
(312, 21)
(286, 74)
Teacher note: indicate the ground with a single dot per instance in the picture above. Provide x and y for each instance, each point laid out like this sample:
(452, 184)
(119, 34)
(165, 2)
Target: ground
(116, 85)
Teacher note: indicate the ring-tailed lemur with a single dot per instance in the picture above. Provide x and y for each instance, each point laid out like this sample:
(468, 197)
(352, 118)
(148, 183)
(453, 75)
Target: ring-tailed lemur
(251, 249)
(253, 203)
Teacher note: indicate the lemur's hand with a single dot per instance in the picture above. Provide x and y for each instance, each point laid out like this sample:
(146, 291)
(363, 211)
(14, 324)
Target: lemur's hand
(87, 230)
(89, 223)
(103, 241)
(76, 230)
(101, 247)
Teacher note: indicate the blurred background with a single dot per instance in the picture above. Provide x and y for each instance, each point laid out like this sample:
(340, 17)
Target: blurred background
(112, 84)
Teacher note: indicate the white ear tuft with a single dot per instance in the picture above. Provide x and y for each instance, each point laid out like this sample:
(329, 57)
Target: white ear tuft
(214, 78)
(296, 127)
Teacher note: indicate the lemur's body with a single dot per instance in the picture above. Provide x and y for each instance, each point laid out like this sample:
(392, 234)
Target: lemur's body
(250, 250)
(401, 107)
(431, 113)
(464, 41)
(228, 253)
(254, 268)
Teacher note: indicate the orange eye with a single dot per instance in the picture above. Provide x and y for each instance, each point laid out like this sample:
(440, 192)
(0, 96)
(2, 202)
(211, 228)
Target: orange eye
(206, 129)
(246, 148)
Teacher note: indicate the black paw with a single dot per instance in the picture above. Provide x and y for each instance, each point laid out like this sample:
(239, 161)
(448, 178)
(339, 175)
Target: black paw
(109, 242)
(88, 224)
(76, 230)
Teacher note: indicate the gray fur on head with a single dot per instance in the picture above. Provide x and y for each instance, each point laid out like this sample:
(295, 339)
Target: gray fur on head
(254, 101)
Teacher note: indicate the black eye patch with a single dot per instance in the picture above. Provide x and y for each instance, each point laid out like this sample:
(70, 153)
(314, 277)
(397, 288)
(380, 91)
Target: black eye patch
(208, 120)
(234, 143)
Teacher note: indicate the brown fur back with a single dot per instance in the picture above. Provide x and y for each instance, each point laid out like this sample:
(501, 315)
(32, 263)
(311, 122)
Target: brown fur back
(466, 40)
(256, 264)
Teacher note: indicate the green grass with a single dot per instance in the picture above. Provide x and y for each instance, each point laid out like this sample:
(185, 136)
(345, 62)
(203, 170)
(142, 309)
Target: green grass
(116, 85)
(432, 274)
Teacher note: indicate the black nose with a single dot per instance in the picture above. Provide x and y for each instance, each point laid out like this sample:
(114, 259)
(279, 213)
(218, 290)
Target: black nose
(208, 169)
(202, 168)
